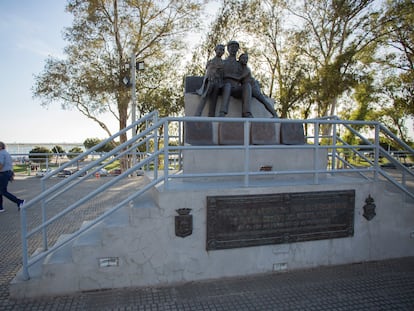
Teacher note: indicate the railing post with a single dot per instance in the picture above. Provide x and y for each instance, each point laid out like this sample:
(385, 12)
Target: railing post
(246, 152)
(315, 154)
(376, 157)
(333, 154)
(166, 153)
(23, 221)
(156, 134)
(147, 147)
(44, 219)
(181, 142)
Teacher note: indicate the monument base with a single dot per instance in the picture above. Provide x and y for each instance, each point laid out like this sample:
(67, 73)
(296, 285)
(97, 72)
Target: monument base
(232, 160)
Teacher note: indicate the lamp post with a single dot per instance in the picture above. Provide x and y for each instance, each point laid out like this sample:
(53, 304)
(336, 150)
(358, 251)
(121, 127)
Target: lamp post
(134, 65)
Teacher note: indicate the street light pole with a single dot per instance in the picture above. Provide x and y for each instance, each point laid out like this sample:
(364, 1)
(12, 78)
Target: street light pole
(133, 67)
(133, 63)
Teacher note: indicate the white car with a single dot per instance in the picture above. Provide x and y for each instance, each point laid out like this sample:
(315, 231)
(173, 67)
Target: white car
(43, 172)
(103, 172)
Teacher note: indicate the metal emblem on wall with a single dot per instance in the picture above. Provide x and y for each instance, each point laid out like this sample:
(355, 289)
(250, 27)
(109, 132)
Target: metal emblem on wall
(252, 220)
(369, 208)
(183, 222)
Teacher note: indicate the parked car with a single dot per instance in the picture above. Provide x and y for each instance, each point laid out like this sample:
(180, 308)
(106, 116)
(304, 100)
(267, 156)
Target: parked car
(115, 172)
(65, 173)
(103, 172)
(43, 172)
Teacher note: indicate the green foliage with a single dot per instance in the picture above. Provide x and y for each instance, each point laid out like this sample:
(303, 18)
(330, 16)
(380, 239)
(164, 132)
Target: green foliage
(74, 152)
(108, 146)
(58, 149)
(396, 80)
(40, 154)
(91, 142)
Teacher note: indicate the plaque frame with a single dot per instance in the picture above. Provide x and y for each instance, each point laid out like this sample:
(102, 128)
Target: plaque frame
(251, 220)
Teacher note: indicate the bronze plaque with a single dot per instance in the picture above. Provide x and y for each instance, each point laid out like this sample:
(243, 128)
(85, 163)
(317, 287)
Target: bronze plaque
(252, 220)
(199, 133)
(292, 134)
(231, 133)
(263, 133)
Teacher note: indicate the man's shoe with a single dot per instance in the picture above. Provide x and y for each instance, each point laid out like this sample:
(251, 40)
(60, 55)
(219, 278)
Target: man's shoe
(19, 206)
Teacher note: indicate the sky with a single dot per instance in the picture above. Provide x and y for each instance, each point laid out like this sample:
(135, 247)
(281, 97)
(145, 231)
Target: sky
(30, 32)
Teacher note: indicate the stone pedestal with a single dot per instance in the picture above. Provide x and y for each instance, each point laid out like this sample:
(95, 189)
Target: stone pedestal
(232, 160)
(232, 133)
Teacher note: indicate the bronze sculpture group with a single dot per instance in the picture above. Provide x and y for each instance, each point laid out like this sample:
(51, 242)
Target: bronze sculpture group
(230, 77)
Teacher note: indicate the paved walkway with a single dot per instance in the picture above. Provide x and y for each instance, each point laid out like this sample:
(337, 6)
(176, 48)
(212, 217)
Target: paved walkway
(384, 285)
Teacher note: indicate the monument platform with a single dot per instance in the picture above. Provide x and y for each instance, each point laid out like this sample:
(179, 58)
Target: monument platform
(141, 244)
(203, 228)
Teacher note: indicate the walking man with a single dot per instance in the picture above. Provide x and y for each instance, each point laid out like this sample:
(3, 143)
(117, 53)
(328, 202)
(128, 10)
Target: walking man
(6, 175)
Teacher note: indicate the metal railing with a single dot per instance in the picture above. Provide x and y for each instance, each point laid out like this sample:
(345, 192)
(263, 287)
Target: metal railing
(160, 139)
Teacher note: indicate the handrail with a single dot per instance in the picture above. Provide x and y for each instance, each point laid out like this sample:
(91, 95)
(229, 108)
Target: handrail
(92, 223)
(45, 193)
(88, 152)
(151, 134)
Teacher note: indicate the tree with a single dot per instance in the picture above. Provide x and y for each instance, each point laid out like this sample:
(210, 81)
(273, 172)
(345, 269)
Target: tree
(279, 61)
(58, 151)
(220, 32)
(397, 62)
(103, 34)
(91, 142)
(334, 34)
(40, 154)
(74, 152)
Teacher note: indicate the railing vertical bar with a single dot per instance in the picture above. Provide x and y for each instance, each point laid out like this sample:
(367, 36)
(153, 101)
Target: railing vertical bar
(166, 152)
(156, 133)
(246, 142)
(377, 150)
(181, 143)
(315, 154)
(44, 219)
(334, 150)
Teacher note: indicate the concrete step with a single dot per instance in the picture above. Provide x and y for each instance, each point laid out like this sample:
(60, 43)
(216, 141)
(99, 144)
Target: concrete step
(120, 218)
(61, 255)
(145, 206)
